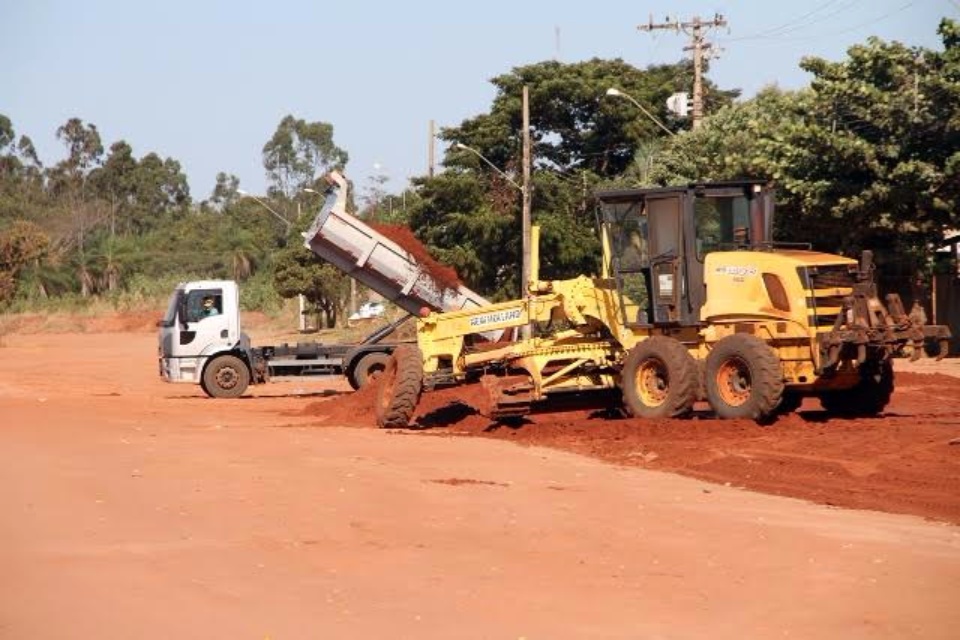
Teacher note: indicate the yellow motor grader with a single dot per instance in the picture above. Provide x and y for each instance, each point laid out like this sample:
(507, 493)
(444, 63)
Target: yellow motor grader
(694, 302)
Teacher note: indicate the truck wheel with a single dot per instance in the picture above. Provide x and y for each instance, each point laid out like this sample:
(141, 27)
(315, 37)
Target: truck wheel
(367, 367)
(226, 377)
(399, 387)
(868, 398)
(659, 379)
(743, 378)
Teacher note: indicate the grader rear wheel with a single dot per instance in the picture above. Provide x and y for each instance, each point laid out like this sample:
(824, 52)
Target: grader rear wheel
(743, 378)
(659, 379)
(399, 388)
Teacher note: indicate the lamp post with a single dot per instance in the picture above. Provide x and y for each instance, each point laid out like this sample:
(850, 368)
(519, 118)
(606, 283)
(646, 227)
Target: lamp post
(503, 175)
(302, 324)
(617, 93)
(286, 222)
(524, 191)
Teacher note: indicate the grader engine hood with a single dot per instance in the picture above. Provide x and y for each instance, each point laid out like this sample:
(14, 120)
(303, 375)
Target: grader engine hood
(835, 297)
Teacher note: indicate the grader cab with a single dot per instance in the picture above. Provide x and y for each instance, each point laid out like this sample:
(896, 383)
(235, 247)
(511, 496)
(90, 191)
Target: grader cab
(694, 301)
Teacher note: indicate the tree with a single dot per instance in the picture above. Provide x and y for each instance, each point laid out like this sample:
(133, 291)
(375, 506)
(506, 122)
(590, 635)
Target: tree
(575, 126)
(324, 287)
(225, 191)
(868, 156)
(469, 216)
(20, 244)
(297, 152)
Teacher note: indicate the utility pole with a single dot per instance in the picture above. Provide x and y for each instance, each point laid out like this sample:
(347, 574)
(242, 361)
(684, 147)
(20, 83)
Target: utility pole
(701, 48)
(525, 277)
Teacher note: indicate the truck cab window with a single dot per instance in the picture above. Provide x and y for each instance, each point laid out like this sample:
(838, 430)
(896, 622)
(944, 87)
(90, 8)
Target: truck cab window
(202, 304)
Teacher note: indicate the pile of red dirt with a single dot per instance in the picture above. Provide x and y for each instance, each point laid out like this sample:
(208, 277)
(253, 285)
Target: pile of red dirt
(445, 277)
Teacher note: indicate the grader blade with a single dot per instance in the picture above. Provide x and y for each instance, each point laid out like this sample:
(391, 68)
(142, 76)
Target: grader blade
(505, 397)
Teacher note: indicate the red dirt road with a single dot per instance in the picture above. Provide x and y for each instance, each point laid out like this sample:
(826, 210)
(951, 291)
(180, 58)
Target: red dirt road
(135, 509)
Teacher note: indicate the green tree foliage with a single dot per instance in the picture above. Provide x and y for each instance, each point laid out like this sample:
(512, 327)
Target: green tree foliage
(297, 153)
(225, 191)
(867, 157)
(324, 287)
(464, 229)
(470, 216)
(297, 157)
(574, 125)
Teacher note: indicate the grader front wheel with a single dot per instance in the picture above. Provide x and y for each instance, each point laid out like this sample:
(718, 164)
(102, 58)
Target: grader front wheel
(659, 379)
(399, 389)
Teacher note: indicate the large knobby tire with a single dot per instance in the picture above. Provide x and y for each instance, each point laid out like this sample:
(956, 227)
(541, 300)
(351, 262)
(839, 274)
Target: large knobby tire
(868, 398)
(659, 379)
(744, 378)
(226, 377)
(399, 387)
(368, 366)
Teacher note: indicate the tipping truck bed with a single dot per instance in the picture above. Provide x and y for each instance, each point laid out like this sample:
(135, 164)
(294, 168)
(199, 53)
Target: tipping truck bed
(376, 261)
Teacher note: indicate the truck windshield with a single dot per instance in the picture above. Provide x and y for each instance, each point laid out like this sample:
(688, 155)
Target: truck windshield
(171, 314)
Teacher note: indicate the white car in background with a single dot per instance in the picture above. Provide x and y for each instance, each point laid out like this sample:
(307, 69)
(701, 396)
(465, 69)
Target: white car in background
(368, 310)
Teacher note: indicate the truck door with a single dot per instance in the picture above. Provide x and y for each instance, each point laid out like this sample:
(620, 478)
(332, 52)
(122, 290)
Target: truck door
(203, 321)
(666, 281)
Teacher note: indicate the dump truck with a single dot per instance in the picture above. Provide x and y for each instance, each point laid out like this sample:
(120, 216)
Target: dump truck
(694, 302)
(213, 351)
(209, 348)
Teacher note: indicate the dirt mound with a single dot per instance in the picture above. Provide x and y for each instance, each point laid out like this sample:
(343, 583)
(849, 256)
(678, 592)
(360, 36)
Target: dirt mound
(906, 461)
(354, 409)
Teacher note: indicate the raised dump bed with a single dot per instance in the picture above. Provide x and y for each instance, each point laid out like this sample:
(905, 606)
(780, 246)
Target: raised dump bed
(378, 262)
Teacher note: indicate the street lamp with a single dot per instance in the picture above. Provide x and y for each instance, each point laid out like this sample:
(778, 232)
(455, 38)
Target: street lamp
(525, 206)
(267, 207)
(616, 92)
(460, 145)
(302, 324)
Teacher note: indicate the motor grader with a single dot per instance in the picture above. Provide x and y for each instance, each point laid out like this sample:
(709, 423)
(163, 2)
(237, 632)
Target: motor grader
(694, 301)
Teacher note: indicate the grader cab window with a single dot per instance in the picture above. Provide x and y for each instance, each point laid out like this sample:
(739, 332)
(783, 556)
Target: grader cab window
(721, 223)
(630, 256)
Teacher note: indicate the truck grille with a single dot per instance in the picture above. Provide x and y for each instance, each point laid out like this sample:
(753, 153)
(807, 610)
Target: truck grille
(826, 287)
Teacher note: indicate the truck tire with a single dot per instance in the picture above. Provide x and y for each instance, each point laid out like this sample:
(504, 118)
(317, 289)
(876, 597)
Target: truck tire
(868, 398)
(225, 377)
(659, 379)
(367, 367)
(743, 378)
(399, 387)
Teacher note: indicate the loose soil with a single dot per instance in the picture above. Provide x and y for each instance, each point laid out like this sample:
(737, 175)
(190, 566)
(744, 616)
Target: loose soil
(133, 508)
(907, 461)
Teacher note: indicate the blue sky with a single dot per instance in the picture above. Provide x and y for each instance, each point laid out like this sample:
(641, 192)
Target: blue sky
(206, 83)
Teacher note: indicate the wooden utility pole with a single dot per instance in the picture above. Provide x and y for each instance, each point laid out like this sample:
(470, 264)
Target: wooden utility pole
(525, 269)
(701, 48)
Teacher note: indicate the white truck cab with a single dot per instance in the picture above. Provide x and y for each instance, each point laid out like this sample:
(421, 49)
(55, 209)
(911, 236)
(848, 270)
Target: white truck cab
(203, 344)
